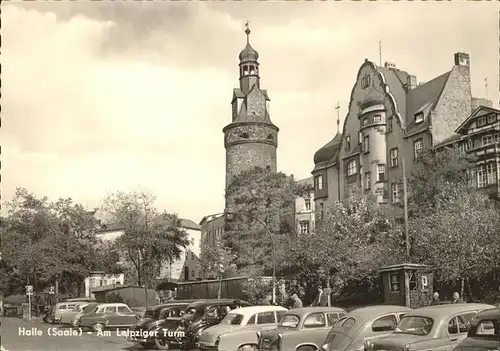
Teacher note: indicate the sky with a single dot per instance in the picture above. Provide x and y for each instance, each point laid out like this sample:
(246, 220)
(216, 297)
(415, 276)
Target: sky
(100, 97)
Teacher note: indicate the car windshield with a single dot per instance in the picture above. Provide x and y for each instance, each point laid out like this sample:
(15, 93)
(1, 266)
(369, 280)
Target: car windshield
(415, 325)
(95, 309)
(289, 321)
(89, 308)
(232, 318)
(150, 314)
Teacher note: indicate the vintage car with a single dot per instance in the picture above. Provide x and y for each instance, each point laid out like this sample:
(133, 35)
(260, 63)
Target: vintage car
(484, 332)
(199, 316)
(237, 331)
(302, 329)
(63, 308)
(68, 317)
(438, 328)
(363, 323)
(107, 315)
(88, 308)
(154, 317)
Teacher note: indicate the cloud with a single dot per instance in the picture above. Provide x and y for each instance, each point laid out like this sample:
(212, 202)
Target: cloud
(107, 96)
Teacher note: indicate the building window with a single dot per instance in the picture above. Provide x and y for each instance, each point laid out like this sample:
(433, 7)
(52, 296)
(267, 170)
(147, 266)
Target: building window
(366, 144)
(389, 124)
(360, 138)
(348, 142)
(487, 139)
(307, 202)
(418, 145)
(481, 121)
(270, 137)
(351, 168)
(491, 173)
(368, 180)
(365, 82)
(245, 70)
(304, 227)
(377, 118)
(496, 138)
(365, 121)
(419, 117)
(394, 157)
(492, 118)
(321, 210)
(381, 173)
(460, 149)
(481, 177)
(395, 192)
(394, 282)
(244, 135)
(318, 182)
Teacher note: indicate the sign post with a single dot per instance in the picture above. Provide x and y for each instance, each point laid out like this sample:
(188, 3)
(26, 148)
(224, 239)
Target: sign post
(29, 292)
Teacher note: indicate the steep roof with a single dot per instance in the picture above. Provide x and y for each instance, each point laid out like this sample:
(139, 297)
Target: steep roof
(189, 224)
(306, 181)
(327, 152)
(478, 112)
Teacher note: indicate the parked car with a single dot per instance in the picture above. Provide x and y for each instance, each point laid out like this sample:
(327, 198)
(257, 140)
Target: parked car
(63, 308)
(199, 316)
(155, 317)
(88, 308)
(68, 317)
(484, 332)
(302, 329)
(107, 315)
(237, 331)
(439, 328)
(363, 323)
(81, 299)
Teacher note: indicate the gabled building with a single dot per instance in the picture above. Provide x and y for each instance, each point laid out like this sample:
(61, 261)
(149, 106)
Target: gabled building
(303, 211)
(391, 118)
(479, 136)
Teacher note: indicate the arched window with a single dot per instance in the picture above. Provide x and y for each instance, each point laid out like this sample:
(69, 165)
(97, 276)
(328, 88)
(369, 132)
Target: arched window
(351, 168)
(245, 70)
(252, 69)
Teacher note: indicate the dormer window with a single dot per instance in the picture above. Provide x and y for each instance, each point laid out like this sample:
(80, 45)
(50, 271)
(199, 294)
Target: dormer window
(348, 142)
(244, 135)
(481, 121)
(492, 118)
(419, 117)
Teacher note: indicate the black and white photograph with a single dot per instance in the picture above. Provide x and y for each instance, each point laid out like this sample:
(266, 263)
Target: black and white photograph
(250, 175)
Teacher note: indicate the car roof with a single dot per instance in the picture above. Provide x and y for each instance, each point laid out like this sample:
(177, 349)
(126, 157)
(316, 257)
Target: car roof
(492, 313)
(250, 310)
(373, 311)
(216, 302)
(438, 311)
(113, 304)
(164, 305)
(306, 310)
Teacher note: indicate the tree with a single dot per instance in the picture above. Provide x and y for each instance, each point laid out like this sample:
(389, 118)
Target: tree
(151, 238)
(259, 201)
(349, 244)
(216, 260)
(461, 239)
(44, 241)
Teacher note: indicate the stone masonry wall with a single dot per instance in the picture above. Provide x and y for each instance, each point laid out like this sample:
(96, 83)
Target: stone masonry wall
(454, 106)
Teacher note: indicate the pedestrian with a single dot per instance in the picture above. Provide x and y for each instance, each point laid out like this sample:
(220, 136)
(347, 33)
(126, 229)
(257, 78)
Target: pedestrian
(435, 299)
(456, 298)
(266, 301)
(321, 298)
(297, 303)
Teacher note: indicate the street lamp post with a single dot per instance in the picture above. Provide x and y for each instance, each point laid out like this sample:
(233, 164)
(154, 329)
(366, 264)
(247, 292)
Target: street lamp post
(273, 244)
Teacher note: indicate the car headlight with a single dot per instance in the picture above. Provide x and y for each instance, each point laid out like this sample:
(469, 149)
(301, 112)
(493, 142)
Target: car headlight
(368, 345)
(406, 347)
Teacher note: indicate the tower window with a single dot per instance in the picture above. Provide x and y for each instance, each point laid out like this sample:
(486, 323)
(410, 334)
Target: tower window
(245, 70)
(252, 69)
(244, 135)
(270, 137)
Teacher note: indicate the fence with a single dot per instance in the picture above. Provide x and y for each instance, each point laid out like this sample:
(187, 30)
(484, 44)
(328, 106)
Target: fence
(208, 289)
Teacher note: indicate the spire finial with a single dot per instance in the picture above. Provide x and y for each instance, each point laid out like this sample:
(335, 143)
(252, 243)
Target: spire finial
(248, 31)
(337, 107)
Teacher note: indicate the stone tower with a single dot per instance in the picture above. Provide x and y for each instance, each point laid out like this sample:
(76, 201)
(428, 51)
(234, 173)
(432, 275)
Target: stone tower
(251, 139)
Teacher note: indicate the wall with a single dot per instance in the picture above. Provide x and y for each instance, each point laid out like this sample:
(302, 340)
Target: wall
(132, 296)
(454, 105)
(102, 280)
(302, 214)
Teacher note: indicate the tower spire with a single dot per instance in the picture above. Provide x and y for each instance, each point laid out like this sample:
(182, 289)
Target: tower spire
(337, 107)
(248, 31)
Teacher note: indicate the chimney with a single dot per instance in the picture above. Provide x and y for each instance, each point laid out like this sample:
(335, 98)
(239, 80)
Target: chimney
(411, 83)
(390, 65)
(462, 59)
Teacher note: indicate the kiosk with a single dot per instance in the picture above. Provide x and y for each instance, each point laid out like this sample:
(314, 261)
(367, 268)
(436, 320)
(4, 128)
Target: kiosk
(407, 284)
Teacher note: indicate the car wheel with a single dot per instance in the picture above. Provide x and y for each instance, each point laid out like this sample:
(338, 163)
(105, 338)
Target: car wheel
(247, 348)
(97, 327)
(161, 344)
(306, 348)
